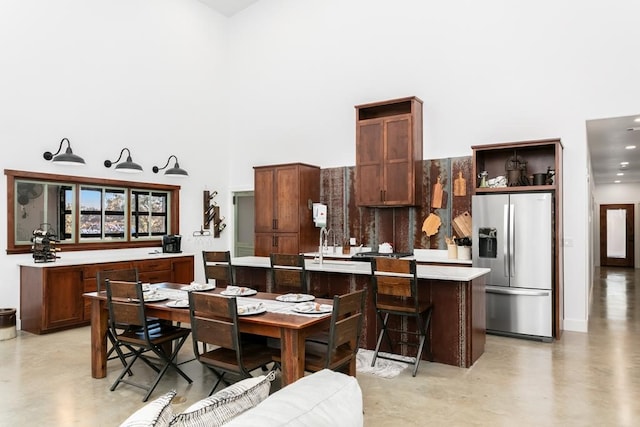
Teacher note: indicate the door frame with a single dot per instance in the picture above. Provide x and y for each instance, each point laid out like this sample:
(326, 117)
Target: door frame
(241, 248)
(629, 260)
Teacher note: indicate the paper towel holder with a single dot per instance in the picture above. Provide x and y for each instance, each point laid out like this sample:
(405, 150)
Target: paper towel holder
(320, 214)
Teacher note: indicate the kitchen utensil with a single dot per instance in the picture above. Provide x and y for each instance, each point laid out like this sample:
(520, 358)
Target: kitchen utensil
(460, 185)
(436, 198)
(431, 224)
(462, 225)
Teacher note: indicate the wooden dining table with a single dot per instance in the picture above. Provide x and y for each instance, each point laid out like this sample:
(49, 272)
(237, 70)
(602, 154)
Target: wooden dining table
(291, 329)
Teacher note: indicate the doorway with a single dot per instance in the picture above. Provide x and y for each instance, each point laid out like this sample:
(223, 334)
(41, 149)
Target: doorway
(243, 213)
(617, 232)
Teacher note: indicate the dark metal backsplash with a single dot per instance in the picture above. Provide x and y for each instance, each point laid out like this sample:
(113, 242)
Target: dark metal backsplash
(400, 226)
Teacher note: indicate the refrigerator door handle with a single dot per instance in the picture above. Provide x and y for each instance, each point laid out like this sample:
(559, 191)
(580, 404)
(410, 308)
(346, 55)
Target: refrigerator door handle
(512, 291)
(512, 240)
(505, 241)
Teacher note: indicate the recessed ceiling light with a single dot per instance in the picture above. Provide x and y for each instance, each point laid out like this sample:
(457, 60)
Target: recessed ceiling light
(630, 147)
(617, 181)
(620, 174)
(637, 120)
(623, 164)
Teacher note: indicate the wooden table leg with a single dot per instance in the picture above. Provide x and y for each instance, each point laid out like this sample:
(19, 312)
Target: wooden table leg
(98, 339)
(292, 355)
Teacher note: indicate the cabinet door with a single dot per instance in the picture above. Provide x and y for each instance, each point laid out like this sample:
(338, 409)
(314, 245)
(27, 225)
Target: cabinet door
(369, 160)
(63, 300)
(398, 165)
(182, 269)
(282, 243)
(264, 200)
(287, 199)
(264, 244)
(287, 243)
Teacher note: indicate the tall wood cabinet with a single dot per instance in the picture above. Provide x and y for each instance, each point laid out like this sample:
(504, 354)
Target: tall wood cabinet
(51, 295)
(389, 153)
(283, 211)
(537, 157)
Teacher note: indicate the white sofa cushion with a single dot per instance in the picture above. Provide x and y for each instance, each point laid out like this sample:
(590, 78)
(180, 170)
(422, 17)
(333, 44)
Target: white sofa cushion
(325, 398)
(220, 407)
(157, 413)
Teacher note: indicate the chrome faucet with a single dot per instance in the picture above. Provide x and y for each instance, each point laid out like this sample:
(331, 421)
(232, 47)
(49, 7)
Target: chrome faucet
(324, 235)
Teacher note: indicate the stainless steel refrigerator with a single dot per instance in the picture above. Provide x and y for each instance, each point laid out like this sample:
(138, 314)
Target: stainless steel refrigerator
(513, 236)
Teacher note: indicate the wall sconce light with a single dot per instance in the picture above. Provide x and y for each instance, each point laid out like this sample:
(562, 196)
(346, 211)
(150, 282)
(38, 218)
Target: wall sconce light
(128, 166)
(176, 170)
(67, 158)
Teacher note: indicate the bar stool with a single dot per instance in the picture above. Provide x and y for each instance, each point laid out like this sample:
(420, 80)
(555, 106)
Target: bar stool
(395, 290)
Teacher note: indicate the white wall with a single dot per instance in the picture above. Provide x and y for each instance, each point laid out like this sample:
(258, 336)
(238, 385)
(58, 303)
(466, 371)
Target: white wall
(492, 71)
(150, 75)
(159, 77)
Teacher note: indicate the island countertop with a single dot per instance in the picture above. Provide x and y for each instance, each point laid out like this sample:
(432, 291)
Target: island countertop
(433, 272)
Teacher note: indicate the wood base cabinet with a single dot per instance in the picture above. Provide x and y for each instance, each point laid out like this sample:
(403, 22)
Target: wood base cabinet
(51, 296)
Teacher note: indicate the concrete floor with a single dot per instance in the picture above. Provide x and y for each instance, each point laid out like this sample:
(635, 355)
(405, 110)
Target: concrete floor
(580, 380)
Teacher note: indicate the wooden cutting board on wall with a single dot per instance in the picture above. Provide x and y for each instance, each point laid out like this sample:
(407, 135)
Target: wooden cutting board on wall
(462, 225)
(436, 198)
(460, 185)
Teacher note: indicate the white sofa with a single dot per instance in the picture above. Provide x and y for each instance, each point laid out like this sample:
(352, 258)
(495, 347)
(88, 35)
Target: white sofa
(325, 398)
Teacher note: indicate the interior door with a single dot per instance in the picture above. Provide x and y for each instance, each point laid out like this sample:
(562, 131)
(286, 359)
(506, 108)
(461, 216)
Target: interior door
(617, 235)
(244, 219)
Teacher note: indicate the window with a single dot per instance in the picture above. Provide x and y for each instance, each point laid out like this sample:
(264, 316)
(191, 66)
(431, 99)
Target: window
(86, 213)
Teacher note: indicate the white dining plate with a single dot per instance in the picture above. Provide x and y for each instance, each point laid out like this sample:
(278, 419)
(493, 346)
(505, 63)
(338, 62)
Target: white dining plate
(295, 297)
(312, 308)
(178, 304)
(154, 298)
(251, 312)
(244, 292)
(198, 287)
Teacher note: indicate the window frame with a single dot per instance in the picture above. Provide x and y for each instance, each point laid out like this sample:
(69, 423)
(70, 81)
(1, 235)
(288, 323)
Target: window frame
(172, 210)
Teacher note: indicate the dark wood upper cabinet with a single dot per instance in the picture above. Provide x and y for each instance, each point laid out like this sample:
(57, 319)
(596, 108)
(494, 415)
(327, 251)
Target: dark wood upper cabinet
(283, 217)
(389, 153)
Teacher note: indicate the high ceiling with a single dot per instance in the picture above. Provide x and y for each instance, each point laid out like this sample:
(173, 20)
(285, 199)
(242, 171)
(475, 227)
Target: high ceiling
(229, 7)
(607, 139)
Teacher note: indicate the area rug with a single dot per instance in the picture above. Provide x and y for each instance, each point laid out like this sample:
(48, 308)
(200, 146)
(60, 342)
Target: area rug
(383, 367)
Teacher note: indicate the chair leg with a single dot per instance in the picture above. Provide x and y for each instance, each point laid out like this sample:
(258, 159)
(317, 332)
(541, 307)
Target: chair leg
(383, 332)
(127, 368)
(423, 328)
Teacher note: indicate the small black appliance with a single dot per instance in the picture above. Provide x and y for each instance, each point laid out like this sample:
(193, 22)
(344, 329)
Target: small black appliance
(171, 243)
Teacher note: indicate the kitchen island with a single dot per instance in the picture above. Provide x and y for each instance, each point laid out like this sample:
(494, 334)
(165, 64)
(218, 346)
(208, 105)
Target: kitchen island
(457, 330)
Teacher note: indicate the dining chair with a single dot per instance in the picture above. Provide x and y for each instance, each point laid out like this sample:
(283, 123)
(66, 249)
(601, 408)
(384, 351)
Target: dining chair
(128, 275)
(344, 335)
(288, 273)
(131, 328)
(217, 341)
(343, 339)
(395, 293)
(217, 266)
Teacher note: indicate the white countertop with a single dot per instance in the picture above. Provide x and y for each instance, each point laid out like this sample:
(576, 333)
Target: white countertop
(437, 255)
(92, 257)
(434, 272)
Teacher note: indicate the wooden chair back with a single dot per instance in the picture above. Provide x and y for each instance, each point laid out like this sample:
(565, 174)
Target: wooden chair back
(125, 302)
(394, 277)
(126, 275)
(346, 321)
(214, 320)
(288, 273)
(217, 266)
